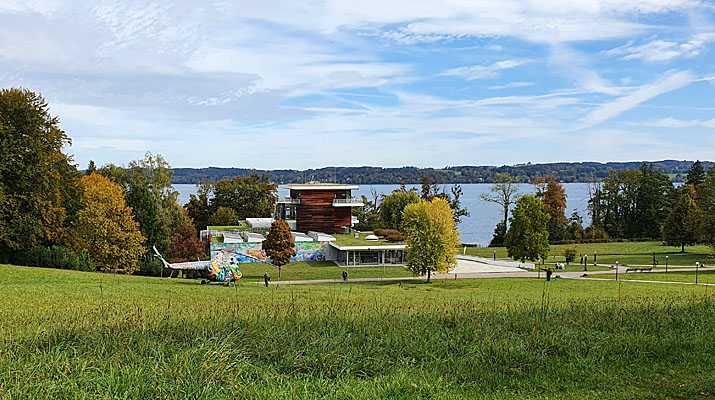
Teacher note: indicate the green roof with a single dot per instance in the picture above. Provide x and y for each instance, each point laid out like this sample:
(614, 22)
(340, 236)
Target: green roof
(350, 240)
(242, 226)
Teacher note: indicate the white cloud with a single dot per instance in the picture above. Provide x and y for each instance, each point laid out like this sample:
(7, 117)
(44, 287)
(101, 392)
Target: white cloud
(660, 50)
(671, 122)
(669, 82)
(484, 71)
(511, 85)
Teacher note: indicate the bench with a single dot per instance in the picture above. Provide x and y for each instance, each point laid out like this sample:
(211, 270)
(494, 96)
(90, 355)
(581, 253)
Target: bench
(648, 269)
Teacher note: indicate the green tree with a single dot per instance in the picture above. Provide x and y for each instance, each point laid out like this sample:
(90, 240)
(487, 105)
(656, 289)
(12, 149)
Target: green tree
(392, 206)
(431, 236)
(696, 174)
(498, 236)
(504, 192)
(279, 244)
(249, 197)
(706, 204)
(146, 214)
(431, 189)
(528, 236)
(199, 207)
(105, 228)
(40, 190)
(224, 216)
(91, 168)
(681, 226)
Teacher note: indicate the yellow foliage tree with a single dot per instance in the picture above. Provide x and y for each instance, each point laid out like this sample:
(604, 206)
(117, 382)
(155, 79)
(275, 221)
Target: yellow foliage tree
(105, 228)
(431, 236)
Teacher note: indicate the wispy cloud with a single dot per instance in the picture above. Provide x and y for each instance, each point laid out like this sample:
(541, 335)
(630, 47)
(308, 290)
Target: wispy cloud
(511, 85)
(484, 71)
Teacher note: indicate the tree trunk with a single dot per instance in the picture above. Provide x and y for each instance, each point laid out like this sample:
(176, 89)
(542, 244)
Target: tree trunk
(279, 271)
(682, 247)
(506, 216)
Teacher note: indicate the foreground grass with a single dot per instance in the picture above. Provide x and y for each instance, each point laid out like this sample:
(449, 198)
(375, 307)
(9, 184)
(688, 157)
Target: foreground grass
(626, 253)
(68, 334)
(670, 276)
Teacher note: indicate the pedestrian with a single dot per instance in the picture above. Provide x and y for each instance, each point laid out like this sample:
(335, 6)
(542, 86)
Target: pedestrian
(548, 273)
(345, 275)
(266, 278)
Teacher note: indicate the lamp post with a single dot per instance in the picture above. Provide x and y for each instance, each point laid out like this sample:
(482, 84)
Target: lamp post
(495, 255)
(594, 258)
(585, 262)
(616, 271)
(666, 264)
(697, 266)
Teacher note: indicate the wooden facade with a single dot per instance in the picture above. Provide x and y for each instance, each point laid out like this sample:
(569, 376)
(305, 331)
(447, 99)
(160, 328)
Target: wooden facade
(317, 213)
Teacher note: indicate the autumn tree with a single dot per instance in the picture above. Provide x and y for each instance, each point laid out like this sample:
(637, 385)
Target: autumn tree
(279, 244)
(504, 192)
(105, 228)
(553, 196)
(40, 189)
(392, 206)
(681, 226)
(185, 245)
(431, 236)
(528, 236)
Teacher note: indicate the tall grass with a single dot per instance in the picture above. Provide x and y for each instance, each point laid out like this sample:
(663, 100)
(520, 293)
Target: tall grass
(147, 338)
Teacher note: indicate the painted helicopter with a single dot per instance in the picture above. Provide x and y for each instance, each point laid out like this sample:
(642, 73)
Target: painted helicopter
(221, 268)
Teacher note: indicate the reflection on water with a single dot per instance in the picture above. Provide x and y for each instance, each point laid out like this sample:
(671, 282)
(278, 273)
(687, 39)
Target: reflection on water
(479, 226)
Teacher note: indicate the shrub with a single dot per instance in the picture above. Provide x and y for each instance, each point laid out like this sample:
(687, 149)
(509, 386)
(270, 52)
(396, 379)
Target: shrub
(387, 232)
(571, 252)
(58, 257)
(149, 266)
(395, 238)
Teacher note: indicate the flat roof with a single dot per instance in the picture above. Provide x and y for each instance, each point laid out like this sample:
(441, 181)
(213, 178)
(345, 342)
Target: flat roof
(321, 186)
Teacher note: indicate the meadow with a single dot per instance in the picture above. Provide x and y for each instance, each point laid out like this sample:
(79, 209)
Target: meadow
(626, 253)
(68, 334)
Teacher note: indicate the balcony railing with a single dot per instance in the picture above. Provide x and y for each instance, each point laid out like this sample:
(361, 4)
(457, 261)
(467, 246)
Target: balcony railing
(289, 200)
(349, 202)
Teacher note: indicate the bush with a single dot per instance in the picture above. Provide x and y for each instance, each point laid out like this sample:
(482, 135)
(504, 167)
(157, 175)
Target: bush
(387, 232)
(58, 257)
(149, 266)
(395, 238)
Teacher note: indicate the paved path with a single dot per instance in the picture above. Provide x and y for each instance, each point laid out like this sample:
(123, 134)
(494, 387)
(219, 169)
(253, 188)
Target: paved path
(484, 275)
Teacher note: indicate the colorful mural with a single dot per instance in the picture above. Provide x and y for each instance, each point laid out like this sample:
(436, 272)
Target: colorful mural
(252, 252)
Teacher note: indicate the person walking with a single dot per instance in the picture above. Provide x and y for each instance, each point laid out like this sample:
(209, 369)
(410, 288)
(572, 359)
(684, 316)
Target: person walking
(266, 278)
(345, 275)
(548, 271)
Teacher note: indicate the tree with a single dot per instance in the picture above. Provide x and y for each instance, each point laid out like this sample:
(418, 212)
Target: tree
(498, 237)
(279, 244)
(91, 168)
(504, 192)
(680, 228)
(185, 245)
(431, 236)
(696, 175)
(528, 236)
(40, 189)
(575, 229)
(253, 196)
(368, 215)
(431, 189)
(146, 213)
(553, 197)
(105, 228)
(706, 203)
(198, 207)
(224, 216)
(392, 206)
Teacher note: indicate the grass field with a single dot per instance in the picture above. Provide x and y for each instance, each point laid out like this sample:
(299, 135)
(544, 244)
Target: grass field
(69, 334)
(626, 253)
(670, 276)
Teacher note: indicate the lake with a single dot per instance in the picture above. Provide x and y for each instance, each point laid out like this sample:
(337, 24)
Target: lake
(478, 228)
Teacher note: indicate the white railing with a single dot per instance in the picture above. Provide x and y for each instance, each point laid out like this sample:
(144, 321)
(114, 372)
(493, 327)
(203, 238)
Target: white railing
(289, 200)
(349, 201)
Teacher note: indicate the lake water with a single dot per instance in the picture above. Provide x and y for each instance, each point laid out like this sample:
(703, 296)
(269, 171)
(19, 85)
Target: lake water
(478, 228)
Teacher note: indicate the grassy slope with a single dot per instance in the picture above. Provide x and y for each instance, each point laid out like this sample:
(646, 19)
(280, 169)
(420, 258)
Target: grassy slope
(626, 253)
(317, 270)
(80, 335)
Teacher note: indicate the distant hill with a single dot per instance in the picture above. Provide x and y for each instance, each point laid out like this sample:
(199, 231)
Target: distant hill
(565, 172)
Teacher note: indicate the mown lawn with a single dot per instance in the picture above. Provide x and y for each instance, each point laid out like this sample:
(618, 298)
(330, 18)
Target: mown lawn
(626, 253)
(253, 272)
(69, 334)
(670, 276)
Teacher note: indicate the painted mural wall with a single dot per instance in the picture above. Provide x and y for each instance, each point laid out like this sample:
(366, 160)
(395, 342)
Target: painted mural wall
(252, 252)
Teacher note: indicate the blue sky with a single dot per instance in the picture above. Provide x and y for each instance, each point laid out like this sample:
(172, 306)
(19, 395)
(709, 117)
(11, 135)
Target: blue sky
(424, 83)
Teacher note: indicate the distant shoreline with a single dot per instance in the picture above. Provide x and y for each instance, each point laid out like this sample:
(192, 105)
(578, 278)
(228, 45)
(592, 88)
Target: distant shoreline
(573, 172)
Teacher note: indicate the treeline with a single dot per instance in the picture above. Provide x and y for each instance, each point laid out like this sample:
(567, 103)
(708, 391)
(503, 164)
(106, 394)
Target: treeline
(562, 172)
(108, 219)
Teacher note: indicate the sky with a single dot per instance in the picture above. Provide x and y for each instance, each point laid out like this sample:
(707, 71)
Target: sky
(308, 84)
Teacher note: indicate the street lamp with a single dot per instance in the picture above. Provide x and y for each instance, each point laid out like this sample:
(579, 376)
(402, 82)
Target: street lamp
(697, 266)
(666, 264)
(616, 270)
(585, 262)
(594, 258)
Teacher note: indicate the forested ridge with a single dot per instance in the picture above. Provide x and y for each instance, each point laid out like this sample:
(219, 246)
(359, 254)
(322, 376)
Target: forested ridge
(565, 172)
